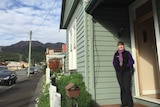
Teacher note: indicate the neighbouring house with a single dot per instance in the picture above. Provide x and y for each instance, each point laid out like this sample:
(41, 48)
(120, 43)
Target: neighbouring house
(94, 27)
(64, 48)
(13, 65)
(52, 54)
(53, 51)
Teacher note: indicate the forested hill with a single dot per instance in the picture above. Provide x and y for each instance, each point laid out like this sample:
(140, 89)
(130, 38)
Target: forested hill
(19, 51)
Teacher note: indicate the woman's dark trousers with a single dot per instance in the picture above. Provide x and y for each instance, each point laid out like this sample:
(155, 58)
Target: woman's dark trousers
(125, 79)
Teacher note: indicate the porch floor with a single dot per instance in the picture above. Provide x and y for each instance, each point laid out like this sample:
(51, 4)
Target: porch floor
(156, 96)
(135, 105)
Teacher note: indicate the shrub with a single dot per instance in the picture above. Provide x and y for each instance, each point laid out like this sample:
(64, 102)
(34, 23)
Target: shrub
(44, 68)
(44, 97)
(84, 100)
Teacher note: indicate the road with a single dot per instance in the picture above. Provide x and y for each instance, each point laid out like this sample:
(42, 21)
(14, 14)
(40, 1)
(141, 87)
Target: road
(23, 93)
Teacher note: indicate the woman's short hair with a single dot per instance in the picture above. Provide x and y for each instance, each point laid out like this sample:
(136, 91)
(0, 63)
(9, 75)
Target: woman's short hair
(120, 43)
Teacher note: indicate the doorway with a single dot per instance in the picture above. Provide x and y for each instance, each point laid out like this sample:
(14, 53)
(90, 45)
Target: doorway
(146, 52)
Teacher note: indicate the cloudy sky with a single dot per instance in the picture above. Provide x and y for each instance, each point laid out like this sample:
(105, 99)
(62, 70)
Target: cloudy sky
(19, 17)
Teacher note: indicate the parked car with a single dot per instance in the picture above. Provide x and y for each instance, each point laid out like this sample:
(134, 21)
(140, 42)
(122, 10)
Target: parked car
(35, 70)
(3, 67)
(31, 71)
(7, 77)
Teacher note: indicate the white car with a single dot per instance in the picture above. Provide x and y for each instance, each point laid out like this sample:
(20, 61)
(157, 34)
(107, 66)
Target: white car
(35, 70)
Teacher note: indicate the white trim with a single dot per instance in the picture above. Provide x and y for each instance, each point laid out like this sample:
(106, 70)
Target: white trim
(145, 92)
(72, 50)
(132, 8)
(156, 25)
(131, 14)
(153, 100)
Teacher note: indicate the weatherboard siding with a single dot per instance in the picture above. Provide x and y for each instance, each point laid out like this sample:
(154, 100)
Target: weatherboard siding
(90, 68)
(67, 8)
(78, 16)
(106, 24)
(67, 53)
(80, 41)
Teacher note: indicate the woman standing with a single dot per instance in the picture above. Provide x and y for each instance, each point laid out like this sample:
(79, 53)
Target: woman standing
(123, 64)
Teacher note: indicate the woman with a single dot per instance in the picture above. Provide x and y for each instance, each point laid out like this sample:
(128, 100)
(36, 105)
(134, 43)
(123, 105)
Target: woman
(123, 64)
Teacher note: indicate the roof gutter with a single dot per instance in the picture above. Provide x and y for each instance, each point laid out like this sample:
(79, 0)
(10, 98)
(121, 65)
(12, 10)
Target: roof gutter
(63, 25)
(62, 13)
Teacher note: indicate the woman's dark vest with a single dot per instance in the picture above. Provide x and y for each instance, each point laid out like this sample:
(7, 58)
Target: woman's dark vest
(125, 66)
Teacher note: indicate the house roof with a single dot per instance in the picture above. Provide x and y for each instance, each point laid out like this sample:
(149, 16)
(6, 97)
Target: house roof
(93, 4)
(64, 23)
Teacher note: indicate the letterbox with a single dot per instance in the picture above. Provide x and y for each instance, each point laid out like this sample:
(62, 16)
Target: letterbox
(72, 91)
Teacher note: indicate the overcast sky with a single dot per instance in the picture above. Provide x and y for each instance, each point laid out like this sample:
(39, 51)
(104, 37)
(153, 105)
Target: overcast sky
(19, 17)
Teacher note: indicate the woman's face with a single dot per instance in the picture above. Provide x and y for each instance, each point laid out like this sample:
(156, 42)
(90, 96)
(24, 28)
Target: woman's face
(120, 47)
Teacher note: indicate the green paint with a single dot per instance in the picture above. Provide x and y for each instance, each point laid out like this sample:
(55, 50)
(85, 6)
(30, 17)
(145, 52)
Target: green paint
(91, 46)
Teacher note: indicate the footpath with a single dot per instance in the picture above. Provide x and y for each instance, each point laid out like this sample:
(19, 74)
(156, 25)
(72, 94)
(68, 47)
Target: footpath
(33, 101)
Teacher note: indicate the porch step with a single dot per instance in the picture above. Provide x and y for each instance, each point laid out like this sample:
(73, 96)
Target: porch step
(135, 105)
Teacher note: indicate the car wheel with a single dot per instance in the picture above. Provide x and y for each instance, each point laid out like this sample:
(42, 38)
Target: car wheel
(15, 82)
(9, 82)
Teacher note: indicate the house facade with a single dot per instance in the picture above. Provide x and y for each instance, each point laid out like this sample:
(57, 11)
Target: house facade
(13, 65)
(93, 29)
(52, 54)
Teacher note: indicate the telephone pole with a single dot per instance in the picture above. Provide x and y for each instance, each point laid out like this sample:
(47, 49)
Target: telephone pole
(29, 54)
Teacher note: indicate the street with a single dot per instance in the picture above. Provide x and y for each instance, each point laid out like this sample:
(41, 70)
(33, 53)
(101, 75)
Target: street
(23, 93)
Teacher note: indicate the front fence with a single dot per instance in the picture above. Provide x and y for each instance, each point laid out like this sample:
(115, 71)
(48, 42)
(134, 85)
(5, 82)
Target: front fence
(55, 98)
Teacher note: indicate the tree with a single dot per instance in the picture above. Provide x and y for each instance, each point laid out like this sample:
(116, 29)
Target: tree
(54, 64)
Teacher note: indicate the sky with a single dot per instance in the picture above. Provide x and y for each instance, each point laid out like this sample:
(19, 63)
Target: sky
(19, 17)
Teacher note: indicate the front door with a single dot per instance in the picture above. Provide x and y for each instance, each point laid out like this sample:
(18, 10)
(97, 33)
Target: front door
(147, 56)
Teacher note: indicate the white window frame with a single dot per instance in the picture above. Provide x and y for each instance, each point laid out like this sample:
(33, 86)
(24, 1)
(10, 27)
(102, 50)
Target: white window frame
(72, 46)
(132, 8)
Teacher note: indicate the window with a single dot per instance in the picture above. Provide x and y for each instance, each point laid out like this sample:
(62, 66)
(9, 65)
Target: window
(72, 47)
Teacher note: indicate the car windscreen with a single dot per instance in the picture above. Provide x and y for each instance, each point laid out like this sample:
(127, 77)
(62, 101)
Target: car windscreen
(4, 72)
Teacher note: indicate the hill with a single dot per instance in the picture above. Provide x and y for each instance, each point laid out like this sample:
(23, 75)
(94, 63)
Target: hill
(19, 51)
(23, 45)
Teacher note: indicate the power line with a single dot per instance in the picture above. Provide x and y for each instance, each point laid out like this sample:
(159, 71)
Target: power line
(45, 17)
